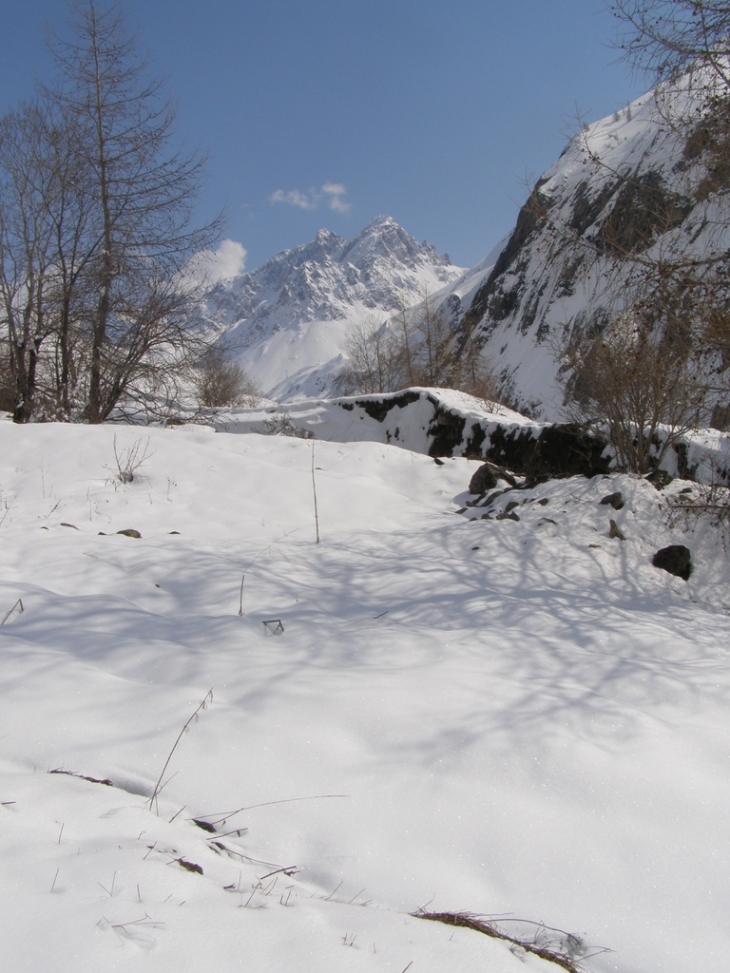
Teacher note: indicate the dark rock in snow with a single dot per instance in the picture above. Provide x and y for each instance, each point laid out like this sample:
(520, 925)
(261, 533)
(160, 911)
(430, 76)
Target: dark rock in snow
(559, 450)
(486, 478)
(447, 430)
(378, 407)
(489, 500)
(659, 479)
(676, 559)
(475, 442)
(615, 500)
(615, 531)
(129, 532)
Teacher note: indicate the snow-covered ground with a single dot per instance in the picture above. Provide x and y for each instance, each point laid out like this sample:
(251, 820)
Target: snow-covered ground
(513, 718)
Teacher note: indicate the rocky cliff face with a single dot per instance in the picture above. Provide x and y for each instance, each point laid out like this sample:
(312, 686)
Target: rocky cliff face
(626, 189)
(287, 321)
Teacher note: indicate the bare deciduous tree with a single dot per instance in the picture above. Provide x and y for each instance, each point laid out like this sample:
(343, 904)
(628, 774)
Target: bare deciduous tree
(641, 386)
(95, 227)
(669, 37)
(655, 364)
(7, 385)
(685, 47)
(27, 183)
(377, 361)
(142, 187)
(416, 347)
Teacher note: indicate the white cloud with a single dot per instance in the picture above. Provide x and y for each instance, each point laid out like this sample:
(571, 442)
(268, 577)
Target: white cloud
(210, 266)
(331, 194)
(295, 198)
(336, 192)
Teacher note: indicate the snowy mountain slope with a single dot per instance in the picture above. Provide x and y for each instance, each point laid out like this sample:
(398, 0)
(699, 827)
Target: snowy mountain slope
(620, 183)
(526, 717)
(286, 322)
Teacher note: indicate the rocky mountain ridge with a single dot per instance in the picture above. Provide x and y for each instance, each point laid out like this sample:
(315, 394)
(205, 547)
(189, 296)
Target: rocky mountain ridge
(286, 321)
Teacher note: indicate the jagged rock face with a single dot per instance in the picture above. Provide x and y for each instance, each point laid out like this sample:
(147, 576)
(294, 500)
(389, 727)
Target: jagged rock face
(287, 320)
(627, 185)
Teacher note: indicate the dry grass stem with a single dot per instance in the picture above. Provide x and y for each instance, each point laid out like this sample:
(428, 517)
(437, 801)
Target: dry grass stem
(565, 954)
(204, 703)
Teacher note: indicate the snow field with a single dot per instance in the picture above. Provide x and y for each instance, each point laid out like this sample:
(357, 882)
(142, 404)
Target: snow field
(524, 718)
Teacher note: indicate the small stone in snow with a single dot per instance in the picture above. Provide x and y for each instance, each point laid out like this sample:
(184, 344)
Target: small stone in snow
(615, 531)
(615, 500)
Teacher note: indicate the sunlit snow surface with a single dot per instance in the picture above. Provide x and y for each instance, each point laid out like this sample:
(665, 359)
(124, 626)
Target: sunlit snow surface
(524, 718)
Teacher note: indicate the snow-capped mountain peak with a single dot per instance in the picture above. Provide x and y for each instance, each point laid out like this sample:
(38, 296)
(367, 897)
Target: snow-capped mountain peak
(287, 321)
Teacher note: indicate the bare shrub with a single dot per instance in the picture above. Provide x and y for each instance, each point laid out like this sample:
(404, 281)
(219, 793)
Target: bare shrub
(706, 501)
(128, 461)
(639, 382)
(281, 424)
(221, 382)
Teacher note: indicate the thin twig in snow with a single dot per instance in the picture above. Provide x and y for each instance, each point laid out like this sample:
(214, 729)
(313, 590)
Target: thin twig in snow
(250, 807)
(328, 897)
(207, 699)
(262, 551)
(314, 491)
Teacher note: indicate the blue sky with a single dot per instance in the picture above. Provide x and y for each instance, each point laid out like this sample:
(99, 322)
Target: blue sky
(327, 113)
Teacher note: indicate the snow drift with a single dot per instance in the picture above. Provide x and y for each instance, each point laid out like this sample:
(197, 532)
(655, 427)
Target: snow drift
(525, 717)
